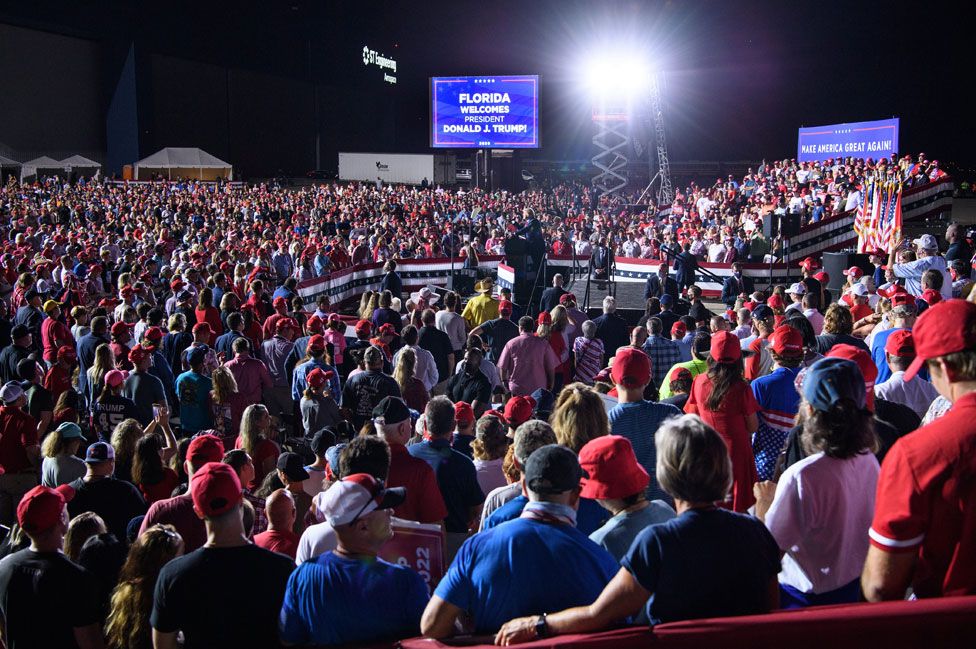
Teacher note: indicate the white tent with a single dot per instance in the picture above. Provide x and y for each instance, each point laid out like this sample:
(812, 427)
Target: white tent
(7, 163)
(80, 162)
(32, 167)
(188, 162)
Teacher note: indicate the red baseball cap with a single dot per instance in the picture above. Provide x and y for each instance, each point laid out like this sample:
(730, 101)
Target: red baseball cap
(854, 272)
(725, 347)
(611, 469)
(931, 296)
(318, 377)
(892, 290)
(67, 351)
(205, 448)
(809, 263)
(202, 326)
(631, 368)
(285, 323)
(900, 343)
(386, 329)
(544, 318)
(316, 343)
(215, 489)
(40, 509)
(822, 277)
(314, 324)
(120, 328)
(775, 302)
(152, 337)
(902, 299)
(679, 327)
(680, 373)
(933, 338)
(279, 301)
(463, 412)
(138, 354)
(786, 341)
(505, 307)
(364, 327)
(864, 362)
(567, 297)
(518, 410)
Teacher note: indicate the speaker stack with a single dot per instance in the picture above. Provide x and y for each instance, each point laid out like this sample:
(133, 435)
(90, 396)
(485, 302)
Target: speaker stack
(835, 263)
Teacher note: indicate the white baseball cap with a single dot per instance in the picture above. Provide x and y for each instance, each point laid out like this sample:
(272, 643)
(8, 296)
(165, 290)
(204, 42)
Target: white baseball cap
(860, 290)
(11, 392)
(926, 242)
(799, 288)
(356, 496)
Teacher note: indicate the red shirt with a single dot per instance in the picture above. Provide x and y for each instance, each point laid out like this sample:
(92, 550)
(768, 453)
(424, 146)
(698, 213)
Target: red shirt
(57, 381)
(54, 334)
(424, 501)
(926, 502)
(280, 541)
(18, 432)
(211, 316)
(266, 450)
(162, 489)
(178, 512)
(730, 422)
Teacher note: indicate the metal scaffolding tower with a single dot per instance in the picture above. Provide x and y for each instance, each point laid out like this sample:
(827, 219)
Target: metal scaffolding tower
(665, 194)
(613, 144)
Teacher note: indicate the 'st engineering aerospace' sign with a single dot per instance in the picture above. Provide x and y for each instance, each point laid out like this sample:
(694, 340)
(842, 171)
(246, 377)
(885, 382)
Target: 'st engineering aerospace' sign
(372, 57)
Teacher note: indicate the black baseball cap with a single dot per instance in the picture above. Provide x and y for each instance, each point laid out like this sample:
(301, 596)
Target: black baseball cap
(292, 466)
(19, 331)
(322, 441)
(553, 469)
(392, 409)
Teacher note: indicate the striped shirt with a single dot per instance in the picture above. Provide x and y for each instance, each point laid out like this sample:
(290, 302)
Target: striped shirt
(589, 358)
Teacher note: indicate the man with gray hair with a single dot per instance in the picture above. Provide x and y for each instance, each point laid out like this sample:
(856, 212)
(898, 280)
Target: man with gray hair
(611, 329)
(588, 353)
(531, 435)
(456, 475)
(485, 580)
(927, 251)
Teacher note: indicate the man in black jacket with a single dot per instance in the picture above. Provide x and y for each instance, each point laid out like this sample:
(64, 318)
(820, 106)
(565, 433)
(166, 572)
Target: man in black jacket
(685, 267)
(391, 281)
(611, 329)
(735, 285)
(550, 296)
(661, 284)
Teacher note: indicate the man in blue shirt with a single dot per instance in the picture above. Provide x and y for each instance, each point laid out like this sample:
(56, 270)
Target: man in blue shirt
(456, 475)
(636, 419)
(902, 316)
(349, 595)
(193, 389)
(532, 565)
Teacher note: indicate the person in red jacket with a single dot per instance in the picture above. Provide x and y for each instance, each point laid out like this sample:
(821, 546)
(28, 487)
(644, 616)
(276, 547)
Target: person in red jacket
(54, 333)
(19, 450)
(57, 381)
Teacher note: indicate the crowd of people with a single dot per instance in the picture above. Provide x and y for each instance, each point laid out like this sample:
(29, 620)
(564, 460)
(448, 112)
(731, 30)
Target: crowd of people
(191, 456)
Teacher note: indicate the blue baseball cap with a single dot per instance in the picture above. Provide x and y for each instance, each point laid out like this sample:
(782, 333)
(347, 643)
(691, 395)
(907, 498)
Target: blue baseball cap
(70, 430)
(831, 379)
(81, 270)
(667, 300)
(99, 452)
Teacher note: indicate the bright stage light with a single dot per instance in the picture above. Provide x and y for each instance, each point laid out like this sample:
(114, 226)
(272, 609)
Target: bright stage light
(621, 75)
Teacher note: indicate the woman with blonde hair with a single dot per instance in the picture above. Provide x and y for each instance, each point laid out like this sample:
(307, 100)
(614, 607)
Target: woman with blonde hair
(579, 416)
(128, 625)
(61, 463)
(257, 438)
(104, 363)
(560, 345)
(124, 439)
(414, 393)
(364, 299)
(226, 403)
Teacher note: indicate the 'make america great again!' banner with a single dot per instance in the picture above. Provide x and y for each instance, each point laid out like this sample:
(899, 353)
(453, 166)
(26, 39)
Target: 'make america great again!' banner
(877, 139)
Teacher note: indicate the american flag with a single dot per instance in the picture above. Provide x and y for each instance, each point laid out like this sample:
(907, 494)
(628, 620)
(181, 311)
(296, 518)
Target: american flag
(878, 220)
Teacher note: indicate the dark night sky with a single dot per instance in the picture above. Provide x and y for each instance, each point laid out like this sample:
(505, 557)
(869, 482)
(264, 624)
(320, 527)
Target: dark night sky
(741, 76)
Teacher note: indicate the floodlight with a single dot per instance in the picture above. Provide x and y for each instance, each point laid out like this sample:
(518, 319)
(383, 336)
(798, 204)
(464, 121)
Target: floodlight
(617, 75)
